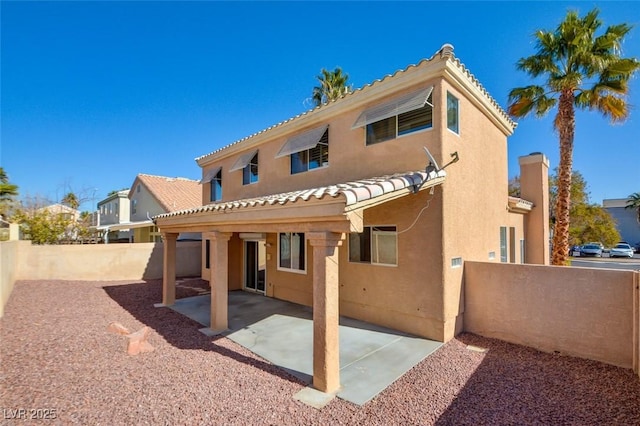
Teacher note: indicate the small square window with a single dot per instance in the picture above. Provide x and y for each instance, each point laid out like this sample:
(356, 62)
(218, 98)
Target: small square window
(375, 245)
(456, 262)
(312, 158)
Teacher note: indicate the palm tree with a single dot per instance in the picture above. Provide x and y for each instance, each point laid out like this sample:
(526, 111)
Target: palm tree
(7, 190)
(633, 202)
(71, 200)
(333, 85)
(579, 70)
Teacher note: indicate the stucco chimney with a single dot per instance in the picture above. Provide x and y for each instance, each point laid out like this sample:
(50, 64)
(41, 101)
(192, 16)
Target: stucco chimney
(534, 187)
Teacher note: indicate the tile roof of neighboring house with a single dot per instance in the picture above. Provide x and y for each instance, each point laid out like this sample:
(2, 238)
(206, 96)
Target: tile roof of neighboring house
(353, 192)
(445, 51)
(173, 193)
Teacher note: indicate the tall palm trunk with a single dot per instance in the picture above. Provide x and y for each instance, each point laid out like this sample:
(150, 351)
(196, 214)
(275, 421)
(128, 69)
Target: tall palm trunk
(565, 123)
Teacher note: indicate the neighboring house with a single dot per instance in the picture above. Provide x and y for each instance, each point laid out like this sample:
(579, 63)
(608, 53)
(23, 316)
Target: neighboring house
(61, 209)
(353, 218)
(153, 195)
(626, 219)
(114, 210)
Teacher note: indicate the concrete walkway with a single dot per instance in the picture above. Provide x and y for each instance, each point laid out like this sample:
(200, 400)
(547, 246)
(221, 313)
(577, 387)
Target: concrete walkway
(371, 357)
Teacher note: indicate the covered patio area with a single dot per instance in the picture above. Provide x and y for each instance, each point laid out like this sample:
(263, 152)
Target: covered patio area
(371, 357)
(320, 217)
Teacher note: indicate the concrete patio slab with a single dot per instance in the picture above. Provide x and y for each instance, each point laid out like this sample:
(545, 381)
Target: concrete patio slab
(371, 357)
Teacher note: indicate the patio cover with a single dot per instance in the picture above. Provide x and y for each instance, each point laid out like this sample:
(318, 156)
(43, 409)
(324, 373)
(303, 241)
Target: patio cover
(335, 208)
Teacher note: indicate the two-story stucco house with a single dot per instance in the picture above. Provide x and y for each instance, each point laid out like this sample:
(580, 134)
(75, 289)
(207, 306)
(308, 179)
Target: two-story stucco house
(114, 210)
(131, 210)
(354, 218)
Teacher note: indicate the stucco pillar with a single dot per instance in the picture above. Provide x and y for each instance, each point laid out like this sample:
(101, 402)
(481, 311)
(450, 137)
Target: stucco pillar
(219, 279)
(169, 268)
(534, 187)
(326, 350)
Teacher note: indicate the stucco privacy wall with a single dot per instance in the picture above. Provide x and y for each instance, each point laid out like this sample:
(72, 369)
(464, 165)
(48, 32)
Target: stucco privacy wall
(23, 261)
(585, 312)
(9, 252)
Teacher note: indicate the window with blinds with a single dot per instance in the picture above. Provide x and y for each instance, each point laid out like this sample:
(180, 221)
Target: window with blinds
(312, 158)
(402, 124)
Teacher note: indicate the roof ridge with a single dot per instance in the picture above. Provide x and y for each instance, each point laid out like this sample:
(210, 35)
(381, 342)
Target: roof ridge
(168, 177)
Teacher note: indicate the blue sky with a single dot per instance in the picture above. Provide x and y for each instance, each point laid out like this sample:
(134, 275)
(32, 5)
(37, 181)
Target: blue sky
(94, 93)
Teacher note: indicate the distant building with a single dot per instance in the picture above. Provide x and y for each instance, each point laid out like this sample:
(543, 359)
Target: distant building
(114, 210)
(128, 213)
(626, 219)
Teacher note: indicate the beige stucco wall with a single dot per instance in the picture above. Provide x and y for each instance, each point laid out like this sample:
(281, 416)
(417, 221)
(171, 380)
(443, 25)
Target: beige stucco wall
(103, 261)
(10, 252)
(585, 312)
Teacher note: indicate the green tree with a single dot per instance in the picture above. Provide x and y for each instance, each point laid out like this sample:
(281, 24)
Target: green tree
(332, 86)
(44, 227)
(8, 192)
(579, 70)
(587, 222)
(633, 202)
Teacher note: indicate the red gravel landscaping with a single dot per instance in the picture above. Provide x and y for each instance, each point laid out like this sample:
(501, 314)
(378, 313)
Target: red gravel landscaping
(59, 360)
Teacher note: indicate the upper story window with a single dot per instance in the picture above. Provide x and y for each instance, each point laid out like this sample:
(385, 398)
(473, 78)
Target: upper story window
(453, 118)
(216, 187)
(375, 245)
(406, 114)
(250, 171)
(248, 163)
(308, 150)
(134, 205)
(312, 158)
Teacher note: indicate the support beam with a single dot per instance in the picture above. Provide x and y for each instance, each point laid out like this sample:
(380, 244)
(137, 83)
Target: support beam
(169, 268)
(219, 279)
(326, 350)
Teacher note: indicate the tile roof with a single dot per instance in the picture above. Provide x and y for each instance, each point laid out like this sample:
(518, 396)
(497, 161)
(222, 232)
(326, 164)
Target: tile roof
(173, 193)
(446, 51)
(353, 192)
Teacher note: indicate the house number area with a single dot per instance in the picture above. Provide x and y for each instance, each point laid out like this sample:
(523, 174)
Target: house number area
(30, 413)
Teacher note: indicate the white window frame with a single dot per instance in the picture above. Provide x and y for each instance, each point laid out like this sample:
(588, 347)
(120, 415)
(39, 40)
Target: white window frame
(308, 154)
(218, 197)
(246, 171)
(457, 131)
(371, 247)
(306, 255)
(398, 136)
(504, 247)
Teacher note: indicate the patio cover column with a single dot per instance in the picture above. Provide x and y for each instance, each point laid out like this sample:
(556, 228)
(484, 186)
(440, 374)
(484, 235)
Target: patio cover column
(169, 268)
(219, 279)
(326, 351)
